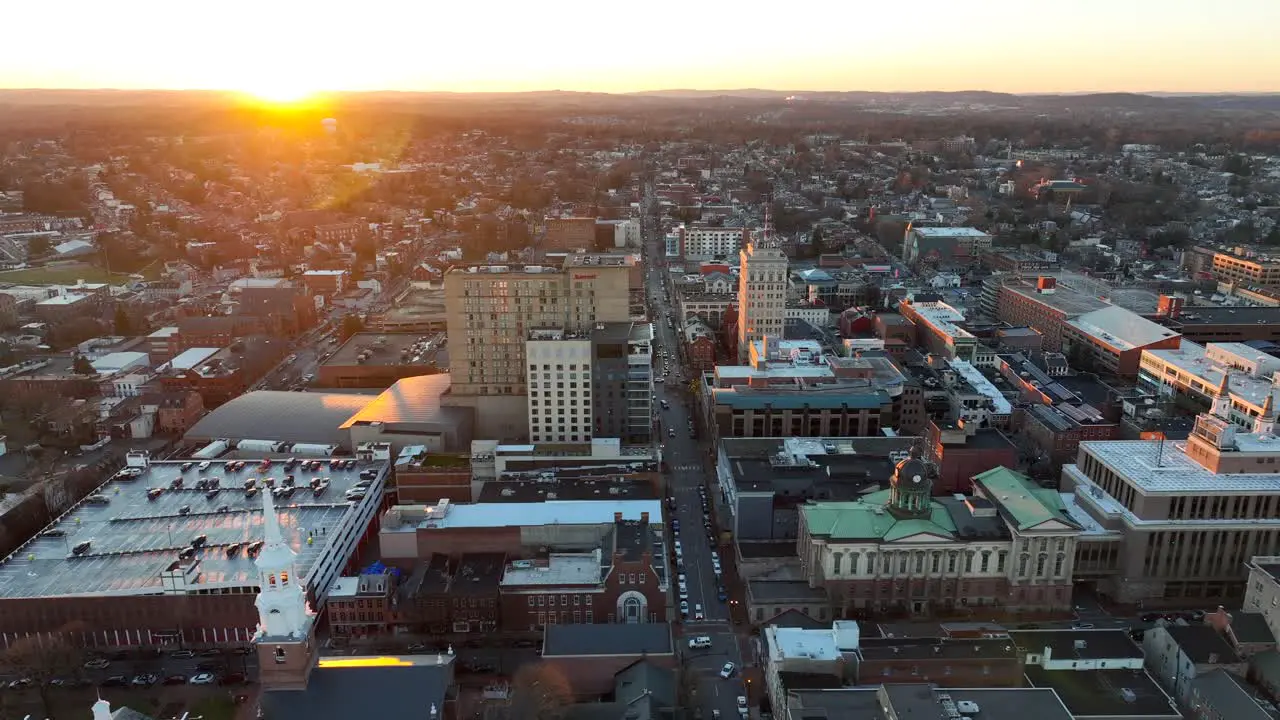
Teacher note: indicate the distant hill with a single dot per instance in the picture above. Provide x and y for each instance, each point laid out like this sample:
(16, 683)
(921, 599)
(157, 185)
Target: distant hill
(1250, 102)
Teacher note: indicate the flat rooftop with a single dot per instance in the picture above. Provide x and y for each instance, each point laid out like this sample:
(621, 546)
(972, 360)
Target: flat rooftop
(134, 539)
(1120, 328)
(956, 232)
(1107, 693)
(1156, 469)
(1194, 360)
(607, 640)
(559, 569)
(386, 349)
(1063, 299)
(982, 385)
(409, 518)
(1078, 644)
(942, 316)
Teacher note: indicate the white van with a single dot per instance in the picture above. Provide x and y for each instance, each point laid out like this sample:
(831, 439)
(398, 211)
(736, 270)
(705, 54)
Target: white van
(701, 642)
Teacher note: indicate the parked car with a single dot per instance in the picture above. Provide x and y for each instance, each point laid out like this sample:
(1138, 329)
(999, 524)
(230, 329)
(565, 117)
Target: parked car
(116, 681)
(182, 654)
(742, 706)
(700, 642)
(97, 664)
(175, 679)
(22, 684)
(204, 678)
(232, 679)
(144, 680)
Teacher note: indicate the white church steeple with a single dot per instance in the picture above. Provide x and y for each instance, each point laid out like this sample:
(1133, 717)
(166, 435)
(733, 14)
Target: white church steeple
(282, 600)
(1265, 423)
(1222, 398)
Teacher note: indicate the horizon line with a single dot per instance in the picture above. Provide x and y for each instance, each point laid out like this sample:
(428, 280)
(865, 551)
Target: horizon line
(722, 91)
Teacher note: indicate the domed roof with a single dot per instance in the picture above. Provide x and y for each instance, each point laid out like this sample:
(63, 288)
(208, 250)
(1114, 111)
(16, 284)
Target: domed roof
(910, 487)
(911, 473)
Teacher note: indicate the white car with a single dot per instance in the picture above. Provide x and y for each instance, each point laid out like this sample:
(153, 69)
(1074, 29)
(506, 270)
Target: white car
(684, 608)
(742, 706)
(204, 678)
(697, 613)
(700, 643)
(728, 670)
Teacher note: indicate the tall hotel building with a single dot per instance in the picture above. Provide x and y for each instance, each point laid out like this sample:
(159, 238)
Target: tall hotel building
(492, 311)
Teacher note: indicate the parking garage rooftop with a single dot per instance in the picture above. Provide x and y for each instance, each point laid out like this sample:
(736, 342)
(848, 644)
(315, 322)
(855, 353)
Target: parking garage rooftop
(133, 538)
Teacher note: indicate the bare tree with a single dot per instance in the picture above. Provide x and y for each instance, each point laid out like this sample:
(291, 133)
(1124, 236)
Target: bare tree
(539, 691)
(40, 660)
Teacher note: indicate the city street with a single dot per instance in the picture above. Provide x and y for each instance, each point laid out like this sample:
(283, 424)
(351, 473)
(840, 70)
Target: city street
(686, 460)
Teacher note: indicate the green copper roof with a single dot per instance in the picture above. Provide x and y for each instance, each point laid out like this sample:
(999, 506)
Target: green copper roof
(859, 520)
(1024, 503)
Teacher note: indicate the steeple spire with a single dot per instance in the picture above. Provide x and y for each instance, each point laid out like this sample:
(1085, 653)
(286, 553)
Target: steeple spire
(270, 520)
(1265, 423)
(1222, 398)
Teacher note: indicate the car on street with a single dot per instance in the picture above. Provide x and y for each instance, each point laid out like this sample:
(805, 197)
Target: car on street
(144, 680)
(742, 706)
(698, 614)
(203, 678)
(182, 655)
(175, 679)
(97, 664)
(671, 432)
(232, 679)
(1081, 626)
(684, 608)
(700, 642)
(116, 681)
(22, 684)
(728, 670)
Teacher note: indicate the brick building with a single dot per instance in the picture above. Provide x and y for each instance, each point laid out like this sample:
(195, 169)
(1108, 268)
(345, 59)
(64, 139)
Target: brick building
(175, 412)
(1058, 430)
(700, 346)
(962, 449)
(570, 233)
(423, 477)
(617, 584)
(1043, 305)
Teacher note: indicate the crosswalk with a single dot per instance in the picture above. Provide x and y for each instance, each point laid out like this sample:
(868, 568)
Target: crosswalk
(688, 468)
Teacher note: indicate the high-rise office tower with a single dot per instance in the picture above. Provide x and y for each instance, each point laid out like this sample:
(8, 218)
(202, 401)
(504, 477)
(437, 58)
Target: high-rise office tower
(762, 292)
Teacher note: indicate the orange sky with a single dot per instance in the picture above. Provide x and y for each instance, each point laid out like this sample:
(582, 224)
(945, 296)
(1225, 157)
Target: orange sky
(287, 47)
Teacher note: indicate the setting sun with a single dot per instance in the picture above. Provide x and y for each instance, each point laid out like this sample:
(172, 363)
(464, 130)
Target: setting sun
(280, 93)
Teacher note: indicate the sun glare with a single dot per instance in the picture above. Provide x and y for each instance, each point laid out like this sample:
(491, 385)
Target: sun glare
(281, 94)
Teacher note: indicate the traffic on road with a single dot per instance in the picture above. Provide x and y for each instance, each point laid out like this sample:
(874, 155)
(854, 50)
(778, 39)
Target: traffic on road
(713, 648)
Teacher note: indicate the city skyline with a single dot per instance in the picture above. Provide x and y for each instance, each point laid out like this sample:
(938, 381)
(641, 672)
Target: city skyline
(280, 51)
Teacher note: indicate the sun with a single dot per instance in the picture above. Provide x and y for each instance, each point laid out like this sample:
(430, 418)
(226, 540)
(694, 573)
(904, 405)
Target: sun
(281, 93)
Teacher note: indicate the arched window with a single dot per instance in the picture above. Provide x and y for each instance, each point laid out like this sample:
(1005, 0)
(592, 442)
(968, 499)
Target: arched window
(271, 580)
(284, 578)
(835, 563)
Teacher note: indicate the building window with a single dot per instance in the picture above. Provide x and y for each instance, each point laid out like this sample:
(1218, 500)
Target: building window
(564, 600)
(531, 603)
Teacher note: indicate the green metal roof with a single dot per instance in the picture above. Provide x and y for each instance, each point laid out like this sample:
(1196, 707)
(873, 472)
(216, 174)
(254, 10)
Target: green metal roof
(1025, 503)
(859, 520)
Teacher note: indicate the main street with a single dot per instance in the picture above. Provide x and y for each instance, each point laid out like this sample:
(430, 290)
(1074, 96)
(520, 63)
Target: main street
(686, 460)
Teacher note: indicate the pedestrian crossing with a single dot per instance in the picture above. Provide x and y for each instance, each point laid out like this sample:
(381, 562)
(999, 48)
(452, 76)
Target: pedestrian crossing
(688, 468)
